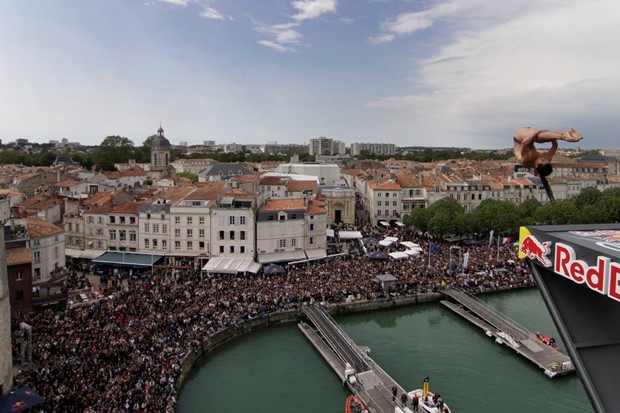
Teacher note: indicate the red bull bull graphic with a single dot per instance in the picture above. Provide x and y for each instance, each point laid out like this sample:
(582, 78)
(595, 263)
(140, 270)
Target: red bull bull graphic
(534, 249)
(606, 238)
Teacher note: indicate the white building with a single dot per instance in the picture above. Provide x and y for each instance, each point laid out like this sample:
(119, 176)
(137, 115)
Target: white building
(386, 149)
(384, 201)
(233, 219)
(6, 364)
(47, 243)
(291, 230)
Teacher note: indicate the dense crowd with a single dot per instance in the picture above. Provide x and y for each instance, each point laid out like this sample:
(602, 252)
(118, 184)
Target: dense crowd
(124, 354)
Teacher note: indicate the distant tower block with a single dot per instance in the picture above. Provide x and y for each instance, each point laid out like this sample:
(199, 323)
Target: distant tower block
(6, 364)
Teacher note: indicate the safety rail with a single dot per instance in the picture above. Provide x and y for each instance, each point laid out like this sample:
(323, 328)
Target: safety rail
(490, 314)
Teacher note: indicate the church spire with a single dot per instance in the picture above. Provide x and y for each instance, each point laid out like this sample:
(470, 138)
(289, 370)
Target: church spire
(160, 131)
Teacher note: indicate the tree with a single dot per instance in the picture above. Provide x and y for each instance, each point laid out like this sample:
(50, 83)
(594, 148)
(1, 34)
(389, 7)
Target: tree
(189, 175)
(587, 196)
(113, 149)
(498, 216)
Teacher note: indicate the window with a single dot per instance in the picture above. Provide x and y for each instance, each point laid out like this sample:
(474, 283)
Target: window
(132, 220)
(146, 227)
(394, 203)
(91, 220)
(232, 249)
(232, 234)
(242, 235)
(177, 232)
(190, 245)
(394, 213)
(282, 243)
(155, 228)
(201, 246)
(201, 220)
(177, 220)
(189, 220)
(100, 232)
(164, 244)
(379, 194)
(19, 276)
(378, 203)
(132, 236)
(190, 233)
(293, 242)
(162, 216)
(242, 220)
(282, 217)
(37, 273)
(387, 212)
(100, 220)
(147, 243)
(112, 235)
(311, 240)
(231, 220)
(177, 245)
(221, 249)
(378, 212)
(242, 249)
(154, 243)
(112, 220)
(221, 235)
(77, 227)
(122, 219)
(122, 235)
(201, 233)
(311, 216)
(164, 229)
(387, 194)
(311, 227)
(148, 215)
(393, 194)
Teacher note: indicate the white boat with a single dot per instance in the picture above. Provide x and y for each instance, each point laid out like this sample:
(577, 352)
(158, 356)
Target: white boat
(426, 404)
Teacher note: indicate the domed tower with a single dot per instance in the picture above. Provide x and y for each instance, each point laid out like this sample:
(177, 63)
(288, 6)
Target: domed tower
(6, 363)
(160, 156)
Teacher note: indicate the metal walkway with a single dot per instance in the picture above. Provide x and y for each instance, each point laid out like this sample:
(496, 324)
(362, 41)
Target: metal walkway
(373, 384)
(506, 331)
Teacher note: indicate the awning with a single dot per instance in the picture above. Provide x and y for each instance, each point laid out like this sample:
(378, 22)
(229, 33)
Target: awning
(385, 243)
(330, 232)
(128, 259)
(281, 256)
(385, 224)
(398, 255)
(88, 254)
(226, 265)
(318, 253)
(400, 224)
(409, 244)
(393, 239)
(412, 253)
(350, 235)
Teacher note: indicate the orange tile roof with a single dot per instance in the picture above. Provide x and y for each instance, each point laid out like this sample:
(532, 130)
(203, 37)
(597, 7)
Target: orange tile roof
(15, 256)
(129, 207)
(122, 174)
(299, 186)
(273, 180)
(39, 228)
(288, 204)
(385, 186)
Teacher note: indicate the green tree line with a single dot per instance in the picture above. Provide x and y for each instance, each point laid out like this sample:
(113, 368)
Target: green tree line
(447, 217)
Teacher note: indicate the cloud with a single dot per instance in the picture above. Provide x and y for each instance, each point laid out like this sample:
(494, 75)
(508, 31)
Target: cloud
(283, 36)
(211, 13)
(548, 65)
(176, 2)
(275, 46)
(311, 9)
(346, 20)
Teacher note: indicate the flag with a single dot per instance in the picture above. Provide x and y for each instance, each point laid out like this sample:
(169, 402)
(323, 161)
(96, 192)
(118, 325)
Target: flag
(491, 238)
(435, 249)
(466, 260)
(506, 240)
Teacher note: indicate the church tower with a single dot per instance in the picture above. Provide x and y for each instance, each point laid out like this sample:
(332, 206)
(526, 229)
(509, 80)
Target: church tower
(160, 156)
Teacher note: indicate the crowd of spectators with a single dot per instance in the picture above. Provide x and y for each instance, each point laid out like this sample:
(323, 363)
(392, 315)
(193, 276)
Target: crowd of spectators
(124, 354)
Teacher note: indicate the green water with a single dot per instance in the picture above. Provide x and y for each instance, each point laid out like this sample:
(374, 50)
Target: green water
(277, 370)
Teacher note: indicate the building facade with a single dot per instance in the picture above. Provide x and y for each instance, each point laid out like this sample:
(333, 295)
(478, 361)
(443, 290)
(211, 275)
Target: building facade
(6, 364)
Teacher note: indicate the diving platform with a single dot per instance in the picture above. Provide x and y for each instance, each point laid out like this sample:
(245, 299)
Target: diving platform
(364, 378)
(507, 332)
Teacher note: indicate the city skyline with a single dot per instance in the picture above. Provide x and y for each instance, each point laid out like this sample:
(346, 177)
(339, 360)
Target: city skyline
(462, 73)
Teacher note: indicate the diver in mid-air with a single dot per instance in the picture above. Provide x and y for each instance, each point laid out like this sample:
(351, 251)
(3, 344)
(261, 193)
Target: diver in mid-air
(528, 156)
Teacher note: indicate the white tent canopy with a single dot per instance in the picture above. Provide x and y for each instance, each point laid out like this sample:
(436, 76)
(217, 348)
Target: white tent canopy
(393, 239)
(350, 235)
(412, 253)
(385, 243)
(224, 265)
(330, 232)
(398, 255)
(409, 244)
(385, 224)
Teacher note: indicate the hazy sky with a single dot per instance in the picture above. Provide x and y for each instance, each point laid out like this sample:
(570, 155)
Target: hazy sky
(410, 72)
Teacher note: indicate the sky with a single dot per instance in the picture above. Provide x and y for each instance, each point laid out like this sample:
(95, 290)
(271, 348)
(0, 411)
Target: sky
(462, 73)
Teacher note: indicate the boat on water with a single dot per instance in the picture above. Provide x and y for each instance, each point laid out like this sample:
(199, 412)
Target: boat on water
(431, 403)
(354, 405)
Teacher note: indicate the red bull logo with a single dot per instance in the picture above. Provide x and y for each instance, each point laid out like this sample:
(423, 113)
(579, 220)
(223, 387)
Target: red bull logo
(607, 238)
(17, 406)
(603, 277)
(534, 249)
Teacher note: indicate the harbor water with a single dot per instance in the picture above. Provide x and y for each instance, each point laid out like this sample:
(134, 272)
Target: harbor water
(277, 370)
